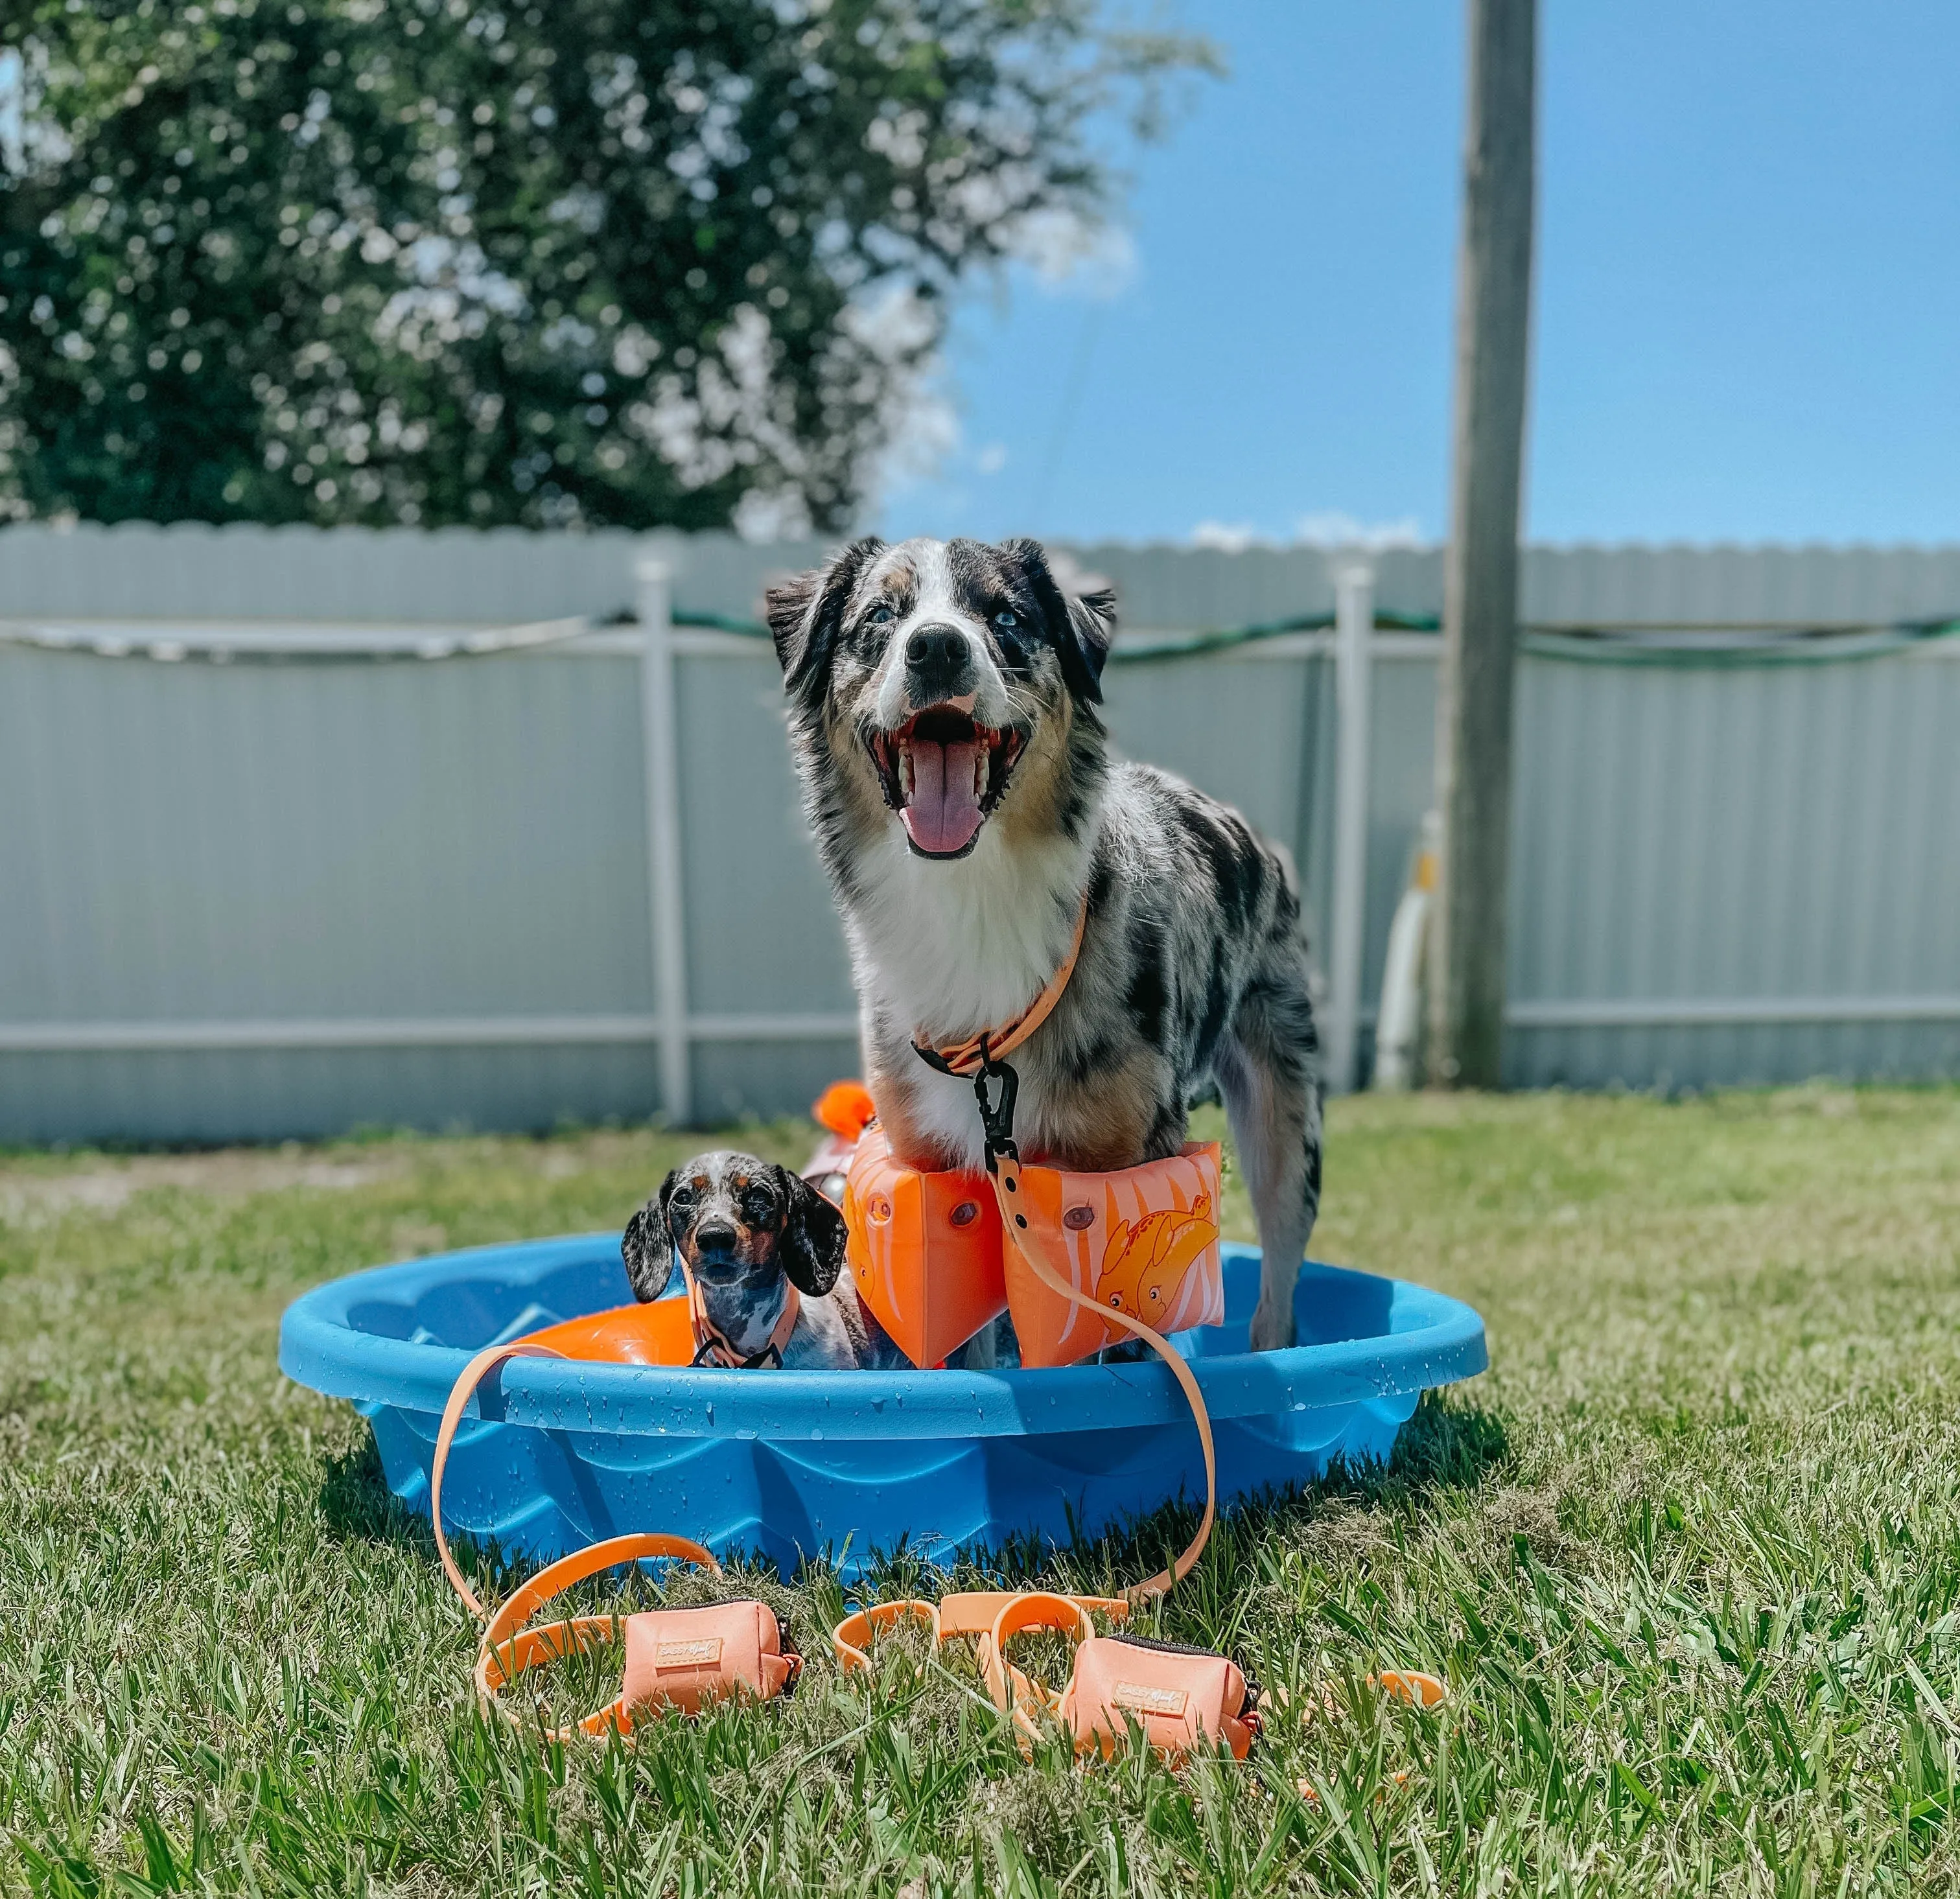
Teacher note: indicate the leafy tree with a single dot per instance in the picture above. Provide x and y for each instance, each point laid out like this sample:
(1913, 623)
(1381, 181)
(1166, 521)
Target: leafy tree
(620, 262)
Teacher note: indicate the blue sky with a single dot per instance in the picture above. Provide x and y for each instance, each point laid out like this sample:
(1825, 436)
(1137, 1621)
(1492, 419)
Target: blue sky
(1747, 317)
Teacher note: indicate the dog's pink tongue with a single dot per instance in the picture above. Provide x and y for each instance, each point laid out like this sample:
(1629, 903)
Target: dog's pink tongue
(942, 813)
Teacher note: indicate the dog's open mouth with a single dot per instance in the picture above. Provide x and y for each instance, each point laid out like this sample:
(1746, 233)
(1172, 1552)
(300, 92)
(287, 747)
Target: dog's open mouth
(944, 774)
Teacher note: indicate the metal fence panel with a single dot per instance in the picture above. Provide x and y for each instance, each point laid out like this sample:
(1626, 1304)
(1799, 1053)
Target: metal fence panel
(258, 900)
(1768, 838)
(316, 844)
(763, 937)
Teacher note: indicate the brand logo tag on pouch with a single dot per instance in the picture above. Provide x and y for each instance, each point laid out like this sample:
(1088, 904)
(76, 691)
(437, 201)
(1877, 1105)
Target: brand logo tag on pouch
(704, 1652)
(1141, 1699)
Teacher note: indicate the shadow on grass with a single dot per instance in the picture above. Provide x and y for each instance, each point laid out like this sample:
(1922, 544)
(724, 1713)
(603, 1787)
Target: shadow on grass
(358, 1506)
(1445, 1447)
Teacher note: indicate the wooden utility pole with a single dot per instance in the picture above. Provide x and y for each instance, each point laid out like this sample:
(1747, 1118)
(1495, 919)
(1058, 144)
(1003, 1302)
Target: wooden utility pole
(1480, 597)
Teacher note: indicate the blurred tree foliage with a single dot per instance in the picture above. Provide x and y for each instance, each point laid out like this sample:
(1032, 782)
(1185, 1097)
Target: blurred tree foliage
(594, 261)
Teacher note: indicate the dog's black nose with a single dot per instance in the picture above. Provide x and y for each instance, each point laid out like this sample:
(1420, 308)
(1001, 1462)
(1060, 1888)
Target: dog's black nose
(936, 649)
(715, 1240)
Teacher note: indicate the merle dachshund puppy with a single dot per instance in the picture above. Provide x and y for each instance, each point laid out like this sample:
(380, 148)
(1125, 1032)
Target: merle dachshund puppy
(943, 700)
(746, 1231)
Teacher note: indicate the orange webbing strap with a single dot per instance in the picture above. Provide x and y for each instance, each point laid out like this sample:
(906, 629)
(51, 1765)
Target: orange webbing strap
(1015, 1693)
(472, 1375)
(851, 1640)
(508, 1649)
(968, 1613)
(973, 1612)
(1043, 1250)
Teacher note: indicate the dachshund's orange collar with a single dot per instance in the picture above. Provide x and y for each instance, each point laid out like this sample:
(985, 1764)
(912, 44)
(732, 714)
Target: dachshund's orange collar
(712, 1348)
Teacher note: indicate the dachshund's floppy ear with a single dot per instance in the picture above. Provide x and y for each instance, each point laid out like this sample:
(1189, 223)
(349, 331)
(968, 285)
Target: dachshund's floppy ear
(1081, 623)
(805, 615)
(811, 1246)
(647, 1246)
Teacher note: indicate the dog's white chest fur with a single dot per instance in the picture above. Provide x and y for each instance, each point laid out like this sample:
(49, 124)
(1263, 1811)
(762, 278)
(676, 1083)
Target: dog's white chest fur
(951, 949)
(943, 951)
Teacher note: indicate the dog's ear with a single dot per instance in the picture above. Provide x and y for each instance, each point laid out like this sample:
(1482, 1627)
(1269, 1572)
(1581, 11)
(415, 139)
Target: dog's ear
(811, 1247)
(1083, 622)
(805, 614)
(1091, 618)
(646, 1248)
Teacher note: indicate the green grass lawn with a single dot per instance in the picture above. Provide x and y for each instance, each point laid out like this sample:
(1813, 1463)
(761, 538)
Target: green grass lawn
(1689, 1555)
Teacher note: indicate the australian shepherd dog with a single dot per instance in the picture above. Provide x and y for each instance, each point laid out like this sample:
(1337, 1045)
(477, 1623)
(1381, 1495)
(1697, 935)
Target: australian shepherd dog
(943, 700)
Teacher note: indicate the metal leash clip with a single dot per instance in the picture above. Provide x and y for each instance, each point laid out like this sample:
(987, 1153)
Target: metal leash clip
(996, 1116)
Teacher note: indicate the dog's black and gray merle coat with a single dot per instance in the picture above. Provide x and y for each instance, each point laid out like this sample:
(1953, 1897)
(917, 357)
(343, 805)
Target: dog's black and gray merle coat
(943, 699)
(747, 1230)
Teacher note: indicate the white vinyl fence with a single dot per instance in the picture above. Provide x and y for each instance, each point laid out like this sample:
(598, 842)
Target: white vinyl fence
(301, 831)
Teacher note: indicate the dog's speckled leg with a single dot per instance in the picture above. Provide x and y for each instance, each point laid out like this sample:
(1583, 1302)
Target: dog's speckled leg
(1272, 1096)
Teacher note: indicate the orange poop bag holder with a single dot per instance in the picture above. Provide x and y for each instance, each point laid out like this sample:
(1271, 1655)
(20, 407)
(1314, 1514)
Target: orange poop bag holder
(685, 1659)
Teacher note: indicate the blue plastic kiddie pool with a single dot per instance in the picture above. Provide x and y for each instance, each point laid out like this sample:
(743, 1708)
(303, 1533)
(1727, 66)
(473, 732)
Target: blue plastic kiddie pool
(553, 1454)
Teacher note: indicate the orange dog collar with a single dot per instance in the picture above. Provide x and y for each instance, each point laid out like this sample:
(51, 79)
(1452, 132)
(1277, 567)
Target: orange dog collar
(965, 1059)
(711, 1348)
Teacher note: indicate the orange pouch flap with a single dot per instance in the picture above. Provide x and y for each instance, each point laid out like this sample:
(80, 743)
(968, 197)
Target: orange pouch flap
(1180, 1696)
(924, 1250)
(686, 1658)
(1144, 1239)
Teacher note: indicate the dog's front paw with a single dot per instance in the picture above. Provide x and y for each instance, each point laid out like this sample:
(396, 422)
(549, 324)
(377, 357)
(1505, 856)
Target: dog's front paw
(1272, 1326)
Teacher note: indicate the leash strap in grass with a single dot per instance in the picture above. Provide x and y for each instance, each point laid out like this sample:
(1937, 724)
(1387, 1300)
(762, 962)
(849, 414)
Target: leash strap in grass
(970, 1613)
(851, 1640)
(1017, 1694)
(508, 1648)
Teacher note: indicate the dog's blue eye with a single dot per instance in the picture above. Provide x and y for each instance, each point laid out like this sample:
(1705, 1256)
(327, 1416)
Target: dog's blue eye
(881, 615)
(1005, 620)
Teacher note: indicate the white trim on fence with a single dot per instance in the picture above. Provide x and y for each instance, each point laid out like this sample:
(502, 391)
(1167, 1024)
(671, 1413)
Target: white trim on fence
(333, 1032)
(1657, 1012)
(432, 1032)
(1354, 636)
(666, 877)
(177, 640)
(407, 1032)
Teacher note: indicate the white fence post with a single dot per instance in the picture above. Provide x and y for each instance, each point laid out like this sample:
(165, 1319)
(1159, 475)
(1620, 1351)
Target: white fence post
(664, 879)
(1353, 631)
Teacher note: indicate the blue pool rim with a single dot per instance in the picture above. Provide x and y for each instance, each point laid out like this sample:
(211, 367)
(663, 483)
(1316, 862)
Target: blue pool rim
(793, 1464)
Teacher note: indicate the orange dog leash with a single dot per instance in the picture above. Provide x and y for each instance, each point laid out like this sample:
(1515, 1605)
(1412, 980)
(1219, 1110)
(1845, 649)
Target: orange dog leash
(1046, 1254)
(684, 1658)
(979, 1059)
(1181, 1697)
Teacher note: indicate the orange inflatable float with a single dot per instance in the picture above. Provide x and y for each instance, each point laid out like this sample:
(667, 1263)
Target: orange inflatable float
(1143, 1241)
(929, 1257)
(924, 1249)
